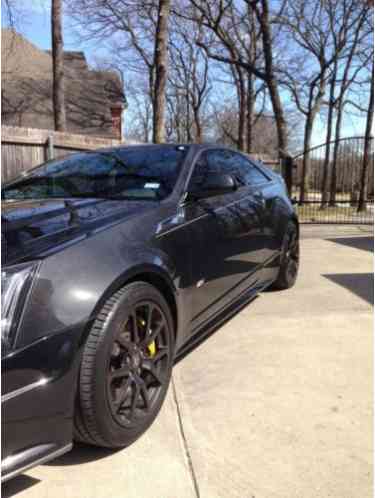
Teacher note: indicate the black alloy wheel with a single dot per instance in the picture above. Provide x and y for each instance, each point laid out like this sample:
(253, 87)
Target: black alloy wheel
(126, 367)
(292, 255)
(289, 260)
(138, 363)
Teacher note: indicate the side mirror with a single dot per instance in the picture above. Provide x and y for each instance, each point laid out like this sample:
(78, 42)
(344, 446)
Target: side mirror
(214, 184)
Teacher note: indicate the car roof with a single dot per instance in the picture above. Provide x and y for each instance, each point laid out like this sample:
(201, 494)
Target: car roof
(196, 146)
(190, 146)
(142, 146)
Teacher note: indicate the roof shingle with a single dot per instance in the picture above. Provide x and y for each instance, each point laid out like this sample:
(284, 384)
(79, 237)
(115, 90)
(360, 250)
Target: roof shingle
(27, 89)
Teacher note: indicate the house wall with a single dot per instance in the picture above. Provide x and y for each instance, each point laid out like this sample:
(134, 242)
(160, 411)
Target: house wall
(27, 88)
(24, 148)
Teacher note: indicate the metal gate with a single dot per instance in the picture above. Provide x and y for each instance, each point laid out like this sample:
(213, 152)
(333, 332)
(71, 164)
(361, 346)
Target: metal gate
(334, 182)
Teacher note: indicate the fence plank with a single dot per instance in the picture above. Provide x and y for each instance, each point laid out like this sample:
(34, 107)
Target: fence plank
(25, 148)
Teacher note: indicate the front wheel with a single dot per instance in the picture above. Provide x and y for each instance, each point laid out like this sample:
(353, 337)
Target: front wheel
(289, 261)
(126, 367)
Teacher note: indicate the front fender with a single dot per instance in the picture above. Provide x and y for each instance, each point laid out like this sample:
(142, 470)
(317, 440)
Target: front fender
(73, 284)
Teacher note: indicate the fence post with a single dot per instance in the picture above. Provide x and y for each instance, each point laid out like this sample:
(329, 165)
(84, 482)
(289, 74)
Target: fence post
(50, 151)
(287, 172)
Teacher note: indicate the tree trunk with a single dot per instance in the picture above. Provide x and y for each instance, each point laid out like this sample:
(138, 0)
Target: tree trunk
(328, 140)
(251, 84)
(367, 149)
(279, 118)
(146, 124)
(313, 109)
(263, 18)
(161, 70)
(242, 112)
(306, 157)
(241, 99)
(188, 123)
(340, 111)
(178, 122)
(58, 66)
(198, 126)
(250, 111)
(324, 187)
(332, 196)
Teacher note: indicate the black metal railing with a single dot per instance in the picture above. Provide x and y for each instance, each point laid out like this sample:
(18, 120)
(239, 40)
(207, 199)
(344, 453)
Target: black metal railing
(334, 182)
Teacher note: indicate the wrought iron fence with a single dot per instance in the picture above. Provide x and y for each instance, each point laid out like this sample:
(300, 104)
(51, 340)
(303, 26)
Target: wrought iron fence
(334, 182)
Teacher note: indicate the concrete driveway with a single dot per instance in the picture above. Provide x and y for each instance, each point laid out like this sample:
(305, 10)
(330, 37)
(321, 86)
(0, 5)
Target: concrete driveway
(276, 403)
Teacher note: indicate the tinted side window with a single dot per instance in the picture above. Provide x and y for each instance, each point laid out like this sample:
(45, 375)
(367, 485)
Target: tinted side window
(199, 173)
(255, 176)
(226, 162)
(248, 172)
(211, 161)
(142, 172)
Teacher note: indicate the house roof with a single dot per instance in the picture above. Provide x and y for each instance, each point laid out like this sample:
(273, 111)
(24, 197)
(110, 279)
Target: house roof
(27, 89)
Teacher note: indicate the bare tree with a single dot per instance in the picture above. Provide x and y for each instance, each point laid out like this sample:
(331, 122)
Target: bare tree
(344, 24)
(189, 83)
(136, 34)
(8, 12)
(239, 78)
(348, 76)
(262, 12)
(139, 127)
(223, 19)
(161, 71)
(240, 114)
(306, 25)
(279, 59)
(58, 66)
(251, 91)
(224, 124)
(14, 14)
(367, 148)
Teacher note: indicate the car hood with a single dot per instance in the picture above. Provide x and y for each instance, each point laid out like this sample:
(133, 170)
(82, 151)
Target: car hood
(32, 228)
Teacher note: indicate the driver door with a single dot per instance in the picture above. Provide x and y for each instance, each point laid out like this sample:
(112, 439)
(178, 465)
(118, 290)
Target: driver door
(225, 238)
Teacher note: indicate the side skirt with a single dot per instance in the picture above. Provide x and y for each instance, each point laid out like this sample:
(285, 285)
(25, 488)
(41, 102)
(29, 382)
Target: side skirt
(219, 319)
(37, 455)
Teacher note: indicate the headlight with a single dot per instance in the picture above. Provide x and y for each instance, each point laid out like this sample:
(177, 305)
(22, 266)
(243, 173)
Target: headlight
(15, 282)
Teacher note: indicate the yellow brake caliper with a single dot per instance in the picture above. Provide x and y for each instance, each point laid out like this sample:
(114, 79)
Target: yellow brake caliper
(151, 348)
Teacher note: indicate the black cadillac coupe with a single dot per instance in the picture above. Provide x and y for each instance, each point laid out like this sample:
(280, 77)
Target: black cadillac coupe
(115, 262)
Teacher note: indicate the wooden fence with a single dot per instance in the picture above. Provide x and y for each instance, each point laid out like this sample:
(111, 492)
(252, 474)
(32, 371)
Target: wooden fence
(24, 148)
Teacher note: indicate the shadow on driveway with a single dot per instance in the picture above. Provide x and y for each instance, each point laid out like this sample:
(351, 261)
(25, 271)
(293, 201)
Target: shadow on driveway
(361, 284)
(82, 453)
(363, 243)
(79, 454)
(17, 484)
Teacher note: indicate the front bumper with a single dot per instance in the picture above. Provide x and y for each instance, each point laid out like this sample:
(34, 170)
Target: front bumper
(37, 402)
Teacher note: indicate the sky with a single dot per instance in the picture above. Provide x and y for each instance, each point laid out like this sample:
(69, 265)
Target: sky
(34, 23)
(35, 26)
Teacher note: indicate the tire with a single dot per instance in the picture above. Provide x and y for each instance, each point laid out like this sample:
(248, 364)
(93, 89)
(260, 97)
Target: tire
(289, 261)
(125, 368)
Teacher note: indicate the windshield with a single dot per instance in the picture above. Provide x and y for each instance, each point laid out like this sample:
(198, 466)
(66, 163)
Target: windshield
(147, 173)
